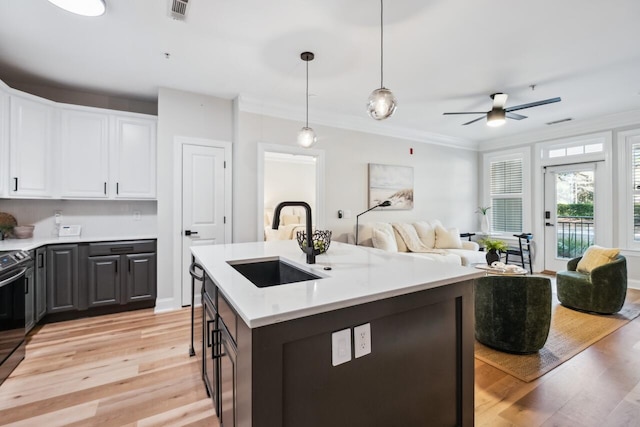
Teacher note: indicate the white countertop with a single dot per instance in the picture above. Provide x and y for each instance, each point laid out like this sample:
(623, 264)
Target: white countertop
(36, 242)
(358, 275)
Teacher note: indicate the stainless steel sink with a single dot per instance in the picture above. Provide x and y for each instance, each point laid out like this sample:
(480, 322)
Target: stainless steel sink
(271, 272)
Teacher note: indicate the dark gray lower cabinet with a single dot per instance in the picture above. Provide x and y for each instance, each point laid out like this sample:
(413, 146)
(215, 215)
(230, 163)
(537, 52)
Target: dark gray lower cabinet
(103, 280)
(41, 283)
(141, 277)
(227, 379)
(30, 300)
(62, 278)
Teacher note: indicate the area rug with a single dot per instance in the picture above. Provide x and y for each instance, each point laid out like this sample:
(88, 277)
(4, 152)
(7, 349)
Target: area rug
(571, 332)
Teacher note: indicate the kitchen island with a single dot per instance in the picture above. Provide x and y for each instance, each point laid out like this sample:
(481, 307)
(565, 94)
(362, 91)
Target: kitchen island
(271, 358)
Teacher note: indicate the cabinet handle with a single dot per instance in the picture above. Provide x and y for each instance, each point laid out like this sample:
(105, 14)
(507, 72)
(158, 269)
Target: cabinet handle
(120, 249)
(129, 266)
(210, 336)
(117, 188)
(117, 266)
(105, 188)
(40, 260)
(26, 286)
(15, 183)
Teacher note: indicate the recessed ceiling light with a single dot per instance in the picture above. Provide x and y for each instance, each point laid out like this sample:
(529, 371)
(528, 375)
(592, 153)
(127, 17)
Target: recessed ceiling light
(82, 7)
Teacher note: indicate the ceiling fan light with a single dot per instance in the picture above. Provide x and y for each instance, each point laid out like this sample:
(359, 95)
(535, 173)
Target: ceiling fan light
(382, 104)
(496, 117)
(306, 137)
(82, 7)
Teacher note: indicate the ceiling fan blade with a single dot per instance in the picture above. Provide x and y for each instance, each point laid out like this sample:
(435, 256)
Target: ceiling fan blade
(473, 121)
(515, 116)
(533, 104)
(466, 112)
(499, 100)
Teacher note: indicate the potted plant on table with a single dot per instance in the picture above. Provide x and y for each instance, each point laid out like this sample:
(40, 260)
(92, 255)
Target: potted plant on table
(493, 247)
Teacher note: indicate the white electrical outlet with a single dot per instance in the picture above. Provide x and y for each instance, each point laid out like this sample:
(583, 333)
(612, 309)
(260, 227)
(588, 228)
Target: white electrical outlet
(136, 215)
(347, 214)
(58, 217)
(362, 340)
(340, 347)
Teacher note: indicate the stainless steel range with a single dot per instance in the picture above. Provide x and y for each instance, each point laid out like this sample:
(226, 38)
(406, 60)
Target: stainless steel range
(13, 266)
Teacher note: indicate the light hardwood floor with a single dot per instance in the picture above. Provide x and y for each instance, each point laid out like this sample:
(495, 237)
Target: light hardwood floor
(133, 369)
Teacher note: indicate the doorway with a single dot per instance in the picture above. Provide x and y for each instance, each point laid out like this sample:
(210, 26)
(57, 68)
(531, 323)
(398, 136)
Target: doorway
(286, 173)
(571, 214)
(202, 202)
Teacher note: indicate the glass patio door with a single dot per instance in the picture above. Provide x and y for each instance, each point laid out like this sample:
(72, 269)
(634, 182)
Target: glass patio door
(571, 222)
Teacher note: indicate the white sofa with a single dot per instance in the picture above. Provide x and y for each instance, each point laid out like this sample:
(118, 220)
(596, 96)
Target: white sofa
(436, 242)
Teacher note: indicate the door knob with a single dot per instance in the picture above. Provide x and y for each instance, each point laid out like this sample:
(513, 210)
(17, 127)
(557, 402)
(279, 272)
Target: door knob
(189, 232)
(548, 224)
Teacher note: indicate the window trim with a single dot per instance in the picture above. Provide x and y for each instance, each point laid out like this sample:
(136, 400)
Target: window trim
(523, 154)
(625, 188)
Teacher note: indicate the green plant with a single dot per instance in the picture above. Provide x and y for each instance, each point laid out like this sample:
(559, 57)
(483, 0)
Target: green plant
(483, 209)
(494, 245)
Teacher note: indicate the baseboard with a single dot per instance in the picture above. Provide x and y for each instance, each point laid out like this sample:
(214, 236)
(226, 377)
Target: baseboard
(166, 304)
(633, 284)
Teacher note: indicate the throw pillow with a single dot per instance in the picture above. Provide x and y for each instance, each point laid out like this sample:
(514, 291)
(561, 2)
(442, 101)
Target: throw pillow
(595, 256)
(402, 246)
(447, 239)
(290, 219)
(383, 239)
(426, 233)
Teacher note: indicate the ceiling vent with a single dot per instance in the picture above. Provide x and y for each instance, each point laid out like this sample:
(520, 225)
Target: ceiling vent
(179, 9)
(568, 119)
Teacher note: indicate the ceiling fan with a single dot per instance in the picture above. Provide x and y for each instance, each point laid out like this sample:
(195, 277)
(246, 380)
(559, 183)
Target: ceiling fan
(498, 114)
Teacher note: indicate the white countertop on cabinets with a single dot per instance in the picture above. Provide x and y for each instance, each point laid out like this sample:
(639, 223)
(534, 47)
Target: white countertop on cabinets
(36, 242)
(358, 275)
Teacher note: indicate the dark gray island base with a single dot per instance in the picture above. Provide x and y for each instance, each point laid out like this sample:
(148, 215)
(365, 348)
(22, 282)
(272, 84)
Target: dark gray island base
(419, 373)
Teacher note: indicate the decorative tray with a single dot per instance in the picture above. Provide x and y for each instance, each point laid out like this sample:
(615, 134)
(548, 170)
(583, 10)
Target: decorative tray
(508, 270)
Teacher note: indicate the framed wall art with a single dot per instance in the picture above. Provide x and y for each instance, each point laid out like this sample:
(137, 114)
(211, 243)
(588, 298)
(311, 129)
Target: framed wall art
(392, 183)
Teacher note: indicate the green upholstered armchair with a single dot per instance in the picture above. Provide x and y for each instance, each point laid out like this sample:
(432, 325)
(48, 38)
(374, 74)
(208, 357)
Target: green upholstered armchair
(603, 291)
(513, 313)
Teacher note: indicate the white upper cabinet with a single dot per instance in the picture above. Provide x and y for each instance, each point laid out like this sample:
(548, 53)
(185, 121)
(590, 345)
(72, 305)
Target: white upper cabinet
(4, 140)
(84, 154)
(134, 158)
(30, 148)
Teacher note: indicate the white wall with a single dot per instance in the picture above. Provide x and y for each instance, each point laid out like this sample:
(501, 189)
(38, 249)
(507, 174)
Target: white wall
(98, 218)
(445, 179)
(181, 114)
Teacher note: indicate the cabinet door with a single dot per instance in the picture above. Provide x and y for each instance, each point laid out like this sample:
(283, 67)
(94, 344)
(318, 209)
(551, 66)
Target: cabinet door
(62, 278)
(84, 154)
(103, 280)
(227, 381)
(31, 138)
(29, 308)
(135, 158)
(41, 283)
(141, 277)
(4, 142)
(210, 350)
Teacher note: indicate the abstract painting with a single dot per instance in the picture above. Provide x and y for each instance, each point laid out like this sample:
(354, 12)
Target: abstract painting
(392, 183)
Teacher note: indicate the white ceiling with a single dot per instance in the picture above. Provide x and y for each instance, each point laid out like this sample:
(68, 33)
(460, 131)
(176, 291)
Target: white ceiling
(440, 55)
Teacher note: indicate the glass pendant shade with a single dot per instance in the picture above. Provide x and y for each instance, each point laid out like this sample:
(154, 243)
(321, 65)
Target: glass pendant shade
(382, 104)
(82, 7)
(306, 137)
(496, 117)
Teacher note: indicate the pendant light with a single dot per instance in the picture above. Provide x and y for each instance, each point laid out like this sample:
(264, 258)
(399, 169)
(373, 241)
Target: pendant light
(382, 103)
(82, 7)
(306, 136)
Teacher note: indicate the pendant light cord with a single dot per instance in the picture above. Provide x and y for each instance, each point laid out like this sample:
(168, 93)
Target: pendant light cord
(307, 93)
(381, 44)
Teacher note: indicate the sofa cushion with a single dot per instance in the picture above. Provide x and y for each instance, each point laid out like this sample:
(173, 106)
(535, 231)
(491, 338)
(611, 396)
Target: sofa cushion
(290, 219)
(426, 233)
(469, 257)
(402, 246)
(447, 239)
(383, 238)
(595, 256)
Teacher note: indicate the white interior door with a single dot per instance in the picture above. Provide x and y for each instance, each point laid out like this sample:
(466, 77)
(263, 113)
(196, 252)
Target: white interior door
(572, 212)
(203, 204)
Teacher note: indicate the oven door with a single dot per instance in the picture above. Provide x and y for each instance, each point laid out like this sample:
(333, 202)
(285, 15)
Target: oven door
(12, 311)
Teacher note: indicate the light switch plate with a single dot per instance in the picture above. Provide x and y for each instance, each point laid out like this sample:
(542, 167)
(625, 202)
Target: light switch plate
(362, 340)
(341, 347)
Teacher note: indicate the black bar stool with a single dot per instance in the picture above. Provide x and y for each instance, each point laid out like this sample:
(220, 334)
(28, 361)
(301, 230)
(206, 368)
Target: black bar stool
(523, 251)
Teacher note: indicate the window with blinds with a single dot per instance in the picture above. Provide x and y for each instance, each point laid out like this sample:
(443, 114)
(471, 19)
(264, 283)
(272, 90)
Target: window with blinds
(635, 155)
(506, 193)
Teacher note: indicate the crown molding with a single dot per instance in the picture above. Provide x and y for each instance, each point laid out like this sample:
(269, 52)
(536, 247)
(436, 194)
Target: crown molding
(359, 124)
(564, 130)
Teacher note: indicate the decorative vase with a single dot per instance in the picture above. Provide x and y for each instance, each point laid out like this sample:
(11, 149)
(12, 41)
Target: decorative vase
(492, 256)
(484, 224)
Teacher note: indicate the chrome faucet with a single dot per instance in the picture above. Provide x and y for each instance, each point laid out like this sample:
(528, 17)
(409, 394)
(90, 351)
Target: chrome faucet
(308, 249)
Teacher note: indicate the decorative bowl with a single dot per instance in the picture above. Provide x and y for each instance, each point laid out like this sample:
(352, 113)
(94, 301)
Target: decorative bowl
(321, 240)
(23, 231)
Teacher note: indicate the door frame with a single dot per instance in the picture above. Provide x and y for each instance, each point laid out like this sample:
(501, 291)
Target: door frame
(320, 182)
(176, 233)
(606, 199)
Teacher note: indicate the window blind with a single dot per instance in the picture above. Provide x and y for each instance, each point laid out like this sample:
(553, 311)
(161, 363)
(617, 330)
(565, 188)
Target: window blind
(635, 155)
(506, 184)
